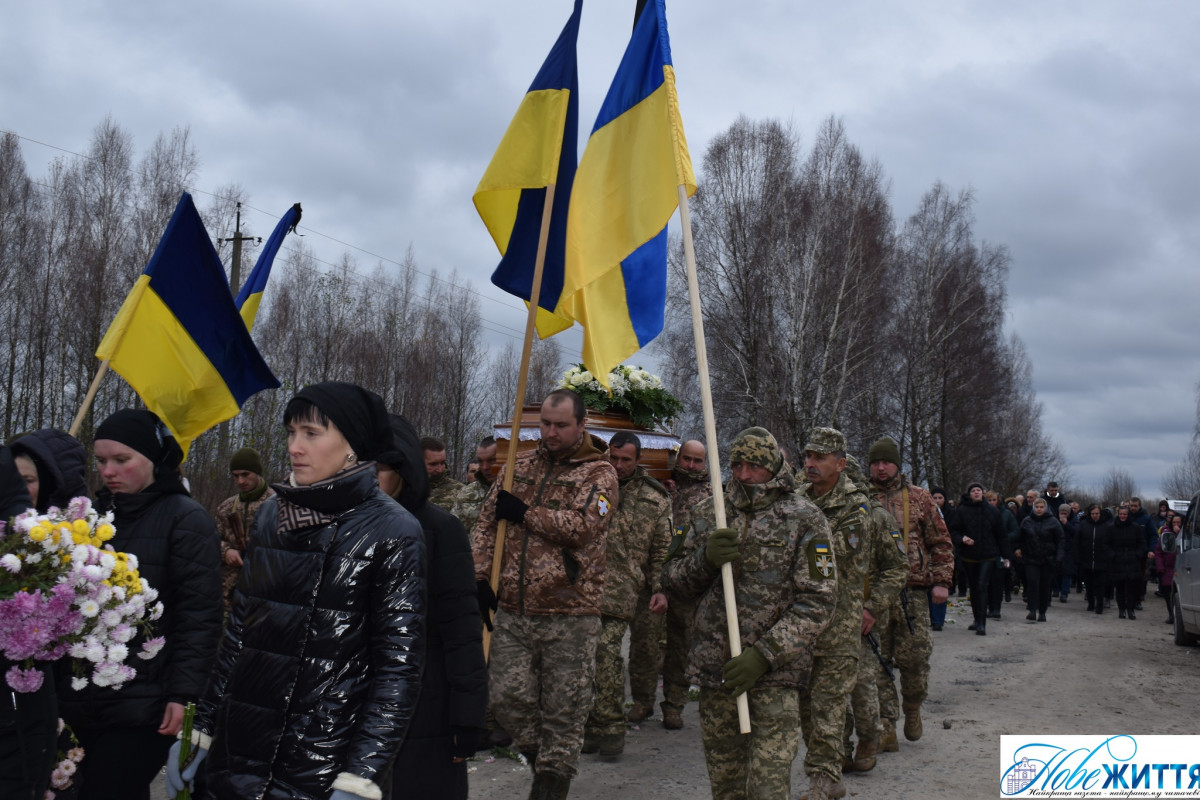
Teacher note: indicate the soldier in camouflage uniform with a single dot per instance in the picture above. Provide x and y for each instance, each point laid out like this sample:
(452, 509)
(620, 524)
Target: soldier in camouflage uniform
(638, 537)
(235, 515)
(469, 498)
(857, 542)
(442, 488)
(926, 543)
(653, 635)
(785, 576)
(863, 714)
(543, 653)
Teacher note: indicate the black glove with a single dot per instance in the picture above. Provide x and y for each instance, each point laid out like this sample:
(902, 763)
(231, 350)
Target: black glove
(466, 741)
(722, 546)
(487, 601)
(510, 507)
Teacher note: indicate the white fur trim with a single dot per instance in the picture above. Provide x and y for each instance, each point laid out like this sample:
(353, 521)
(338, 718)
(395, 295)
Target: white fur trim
(198, 738)
(355, 784)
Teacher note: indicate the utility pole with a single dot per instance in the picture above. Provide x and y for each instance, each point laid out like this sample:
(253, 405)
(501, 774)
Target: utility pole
(235, 270)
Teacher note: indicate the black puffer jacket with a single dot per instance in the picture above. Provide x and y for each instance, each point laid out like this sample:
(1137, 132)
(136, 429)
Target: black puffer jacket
(14, 497)
(1093, 543)
(320, 665)
(1128, 551)
(1041, 540)
(979, 521)
(61, 462)
(179, 553)
(454, 686)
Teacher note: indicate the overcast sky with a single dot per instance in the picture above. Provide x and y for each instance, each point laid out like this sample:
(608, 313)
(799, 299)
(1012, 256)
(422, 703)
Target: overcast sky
(1075, 124)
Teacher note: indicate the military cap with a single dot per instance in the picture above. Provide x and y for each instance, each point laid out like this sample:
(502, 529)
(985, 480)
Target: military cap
(884, 450)
(756, 446)
(826, 440)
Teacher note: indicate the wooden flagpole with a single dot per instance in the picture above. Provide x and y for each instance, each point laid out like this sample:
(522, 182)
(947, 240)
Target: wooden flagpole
(535, 292)
(89, 397)
(710, 434)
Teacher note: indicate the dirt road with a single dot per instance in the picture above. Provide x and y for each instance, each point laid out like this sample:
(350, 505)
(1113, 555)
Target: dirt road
(1076, 673)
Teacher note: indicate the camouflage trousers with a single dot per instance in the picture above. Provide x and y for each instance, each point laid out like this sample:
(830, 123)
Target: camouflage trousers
(645, 651)
(863, 713)
(608, 707)
(540, 681)
(679, 619)
(910, 653)
(758, 766)
(823, 713)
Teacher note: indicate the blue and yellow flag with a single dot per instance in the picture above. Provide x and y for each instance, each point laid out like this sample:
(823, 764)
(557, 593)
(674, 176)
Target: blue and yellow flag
(538, 149)
(615, 282)
(251, 294)
(178, 339)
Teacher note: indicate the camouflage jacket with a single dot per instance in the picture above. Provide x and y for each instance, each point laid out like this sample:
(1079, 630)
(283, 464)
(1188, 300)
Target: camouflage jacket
(468, 501)
(865, 552)
(785, 582)
(553, 563)
(442, 491)
(233, 507)
(926, 542)
(638, 537)
(688, 492)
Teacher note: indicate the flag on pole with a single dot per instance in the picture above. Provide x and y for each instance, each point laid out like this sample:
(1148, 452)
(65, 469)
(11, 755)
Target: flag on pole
(626, 189)
(178, 339)
(538, 149)
(251, 294)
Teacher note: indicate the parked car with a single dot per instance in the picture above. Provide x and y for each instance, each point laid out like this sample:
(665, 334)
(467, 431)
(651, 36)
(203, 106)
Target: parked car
(1185, 594)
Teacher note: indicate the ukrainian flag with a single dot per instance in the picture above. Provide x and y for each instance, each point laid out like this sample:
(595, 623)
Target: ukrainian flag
(538, 149)
(615, 282)
(178, 339)
(251, 294)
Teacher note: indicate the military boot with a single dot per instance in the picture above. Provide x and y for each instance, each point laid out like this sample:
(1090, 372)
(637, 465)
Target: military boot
(591, 742)
(912, 721)
(549, 786)
(672, 717)
(888, 743)
(864, 756)
(638, 712)
(612, 745)
(820, 787)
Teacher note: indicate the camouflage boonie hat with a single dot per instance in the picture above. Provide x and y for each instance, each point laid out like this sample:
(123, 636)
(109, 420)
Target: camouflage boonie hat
(756, 446)
(826, 440)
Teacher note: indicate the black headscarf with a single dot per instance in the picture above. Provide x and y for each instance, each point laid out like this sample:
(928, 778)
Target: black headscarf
(408, 459)
(357, 412)
(61, 462)
(144, 432)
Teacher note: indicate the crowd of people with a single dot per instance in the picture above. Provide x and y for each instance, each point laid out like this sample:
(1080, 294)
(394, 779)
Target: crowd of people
(370, 622)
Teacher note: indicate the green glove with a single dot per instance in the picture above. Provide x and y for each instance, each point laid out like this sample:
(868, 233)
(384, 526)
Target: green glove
(742, 672)
(722, 547)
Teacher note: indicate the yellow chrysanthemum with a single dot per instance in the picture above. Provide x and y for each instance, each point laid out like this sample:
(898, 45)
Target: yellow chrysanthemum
(38, 533)
(80, 538)
(105, 532)
(80, 526)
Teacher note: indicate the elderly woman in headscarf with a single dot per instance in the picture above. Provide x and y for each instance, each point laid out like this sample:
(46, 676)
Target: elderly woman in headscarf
(450, 713)
(127, 733)
(320, 665)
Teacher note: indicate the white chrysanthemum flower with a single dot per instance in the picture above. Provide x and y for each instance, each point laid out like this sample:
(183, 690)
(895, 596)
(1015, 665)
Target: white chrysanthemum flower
(111, 618)
(89, 608)
(33, 558)
(95, 572)
(119, 592)
(79, 684)
(148, 594)
(24, 521)
(118, 653)
(156, 612)
(103, 593)
(11, 563)
(122, 633)
(107, 560)
(94, 653)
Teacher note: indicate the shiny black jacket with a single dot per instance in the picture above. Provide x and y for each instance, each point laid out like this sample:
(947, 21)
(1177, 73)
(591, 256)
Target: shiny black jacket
(1128, 551)
(1041, 540)
(1093, 543)
(320, 665)
(179, 553)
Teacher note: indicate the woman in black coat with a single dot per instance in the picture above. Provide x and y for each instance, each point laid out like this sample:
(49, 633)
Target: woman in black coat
(979, 535)
(126, 733)
(1067, 574)
(446, 724)
(1041, 548)
(320, 664)
(1093, 554)
(1128, 562)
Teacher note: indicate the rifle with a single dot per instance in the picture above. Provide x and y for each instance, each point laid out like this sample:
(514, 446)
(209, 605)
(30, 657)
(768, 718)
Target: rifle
(873, 640)
(907, 614)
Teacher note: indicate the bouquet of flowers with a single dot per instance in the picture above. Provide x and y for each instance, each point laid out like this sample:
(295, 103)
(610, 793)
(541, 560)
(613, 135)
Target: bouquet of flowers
(634, 391)
(65, 592)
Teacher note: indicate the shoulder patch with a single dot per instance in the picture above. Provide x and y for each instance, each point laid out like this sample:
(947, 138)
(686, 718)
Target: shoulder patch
(603, 506)
(821, 565)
